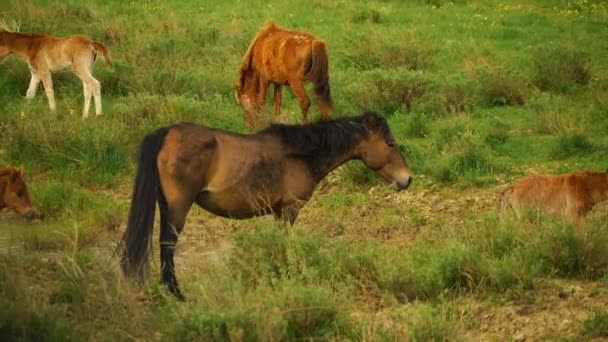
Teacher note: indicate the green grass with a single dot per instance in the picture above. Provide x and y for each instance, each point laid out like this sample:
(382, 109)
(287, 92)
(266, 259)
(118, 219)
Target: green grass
(476, 93)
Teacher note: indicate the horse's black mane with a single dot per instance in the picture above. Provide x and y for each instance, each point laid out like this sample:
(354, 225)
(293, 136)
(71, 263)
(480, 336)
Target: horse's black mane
(329, 138)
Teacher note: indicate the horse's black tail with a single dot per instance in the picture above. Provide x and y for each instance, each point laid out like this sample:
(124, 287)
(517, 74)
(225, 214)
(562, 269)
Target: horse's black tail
(318, 73)
(137, 240)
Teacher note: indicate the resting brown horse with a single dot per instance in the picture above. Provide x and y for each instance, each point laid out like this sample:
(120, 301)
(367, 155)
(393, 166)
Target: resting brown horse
(569, 195)
(13, 192)
(273, 171)
(282, 57)
(44, 54)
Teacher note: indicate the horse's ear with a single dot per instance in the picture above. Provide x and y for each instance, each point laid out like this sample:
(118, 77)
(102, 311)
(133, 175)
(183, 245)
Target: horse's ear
(17, 173)
(372, 120)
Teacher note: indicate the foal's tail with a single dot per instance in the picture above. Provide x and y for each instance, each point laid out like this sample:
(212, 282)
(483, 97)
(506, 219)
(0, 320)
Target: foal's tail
(99, 47)
(318, 73)
(504, 200)
(137, 240)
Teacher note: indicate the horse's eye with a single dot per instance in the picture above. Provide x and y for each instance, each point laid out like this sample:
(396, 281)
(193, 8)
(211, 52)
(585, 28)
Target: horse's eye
(391, 144)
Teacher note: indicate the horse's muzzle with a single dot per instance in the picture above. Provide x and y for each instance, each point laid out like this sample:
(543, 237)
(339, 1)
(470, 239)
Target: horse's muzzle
(29, 215)
(402, 183)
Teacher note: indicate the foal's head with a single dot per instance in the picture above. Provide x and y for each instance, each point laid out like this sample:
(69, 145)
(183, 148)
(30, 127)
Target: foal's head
(380, 152)
(246, 92)
(4, 50)
(15, 195)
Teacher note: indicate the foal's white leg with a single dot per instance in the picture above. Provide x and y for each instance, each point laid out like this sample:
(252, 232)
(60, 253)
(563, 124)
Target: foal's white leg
(96, 88)
(91, 87)
(47, 81)
(89, 84)
(87, 99)
(31, 90)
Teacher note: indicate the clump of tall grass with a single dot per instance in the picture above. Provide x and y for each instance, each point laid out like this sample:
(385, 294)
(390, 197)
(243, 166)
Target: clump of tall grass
(408, 53)
(502, 87)
(88, 153)
(465, 158)
(433, 323)
(572, 144)
(389, 91)
(366, 15)
(596, 325)
(455, 93)
(560, 69)
(553, 114)
(497, 132)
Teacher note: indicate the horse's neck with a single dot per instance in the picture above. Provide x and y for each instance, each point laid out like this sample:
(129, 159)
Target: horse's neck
(327, 164)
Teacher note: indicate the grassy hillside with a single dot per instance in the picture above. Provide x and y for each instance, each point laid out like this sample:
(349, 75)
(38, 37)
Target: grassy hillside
(477, 93)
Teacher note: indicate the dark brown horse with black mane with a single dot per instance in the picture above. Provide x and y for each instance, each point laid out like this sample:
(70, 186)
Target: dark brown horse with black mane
(13, 192)
(273, 171)
(283, 57)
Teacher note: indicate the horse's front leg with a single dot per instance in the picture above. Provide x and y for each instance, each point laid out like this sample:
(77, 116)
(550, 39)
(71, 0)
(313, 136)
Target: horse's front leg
(263, 87)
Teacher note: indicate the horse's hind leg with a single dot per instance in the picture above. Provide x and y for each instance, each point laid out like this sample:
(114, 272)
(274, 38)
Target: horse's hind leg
(34, 83)
(172, 220)
(47, 82)
(277, 100)
(298, 88)
(90, 86)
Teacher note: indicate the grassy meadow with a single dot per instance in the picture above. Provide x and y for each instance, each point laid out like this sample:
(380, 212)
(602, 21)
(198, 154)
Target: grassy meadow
(477, 93)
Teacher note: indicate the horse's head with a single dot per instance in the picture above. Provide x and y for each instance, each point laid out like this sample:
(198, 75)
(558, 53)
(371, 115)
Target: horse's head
(15, 195)
(380, 152)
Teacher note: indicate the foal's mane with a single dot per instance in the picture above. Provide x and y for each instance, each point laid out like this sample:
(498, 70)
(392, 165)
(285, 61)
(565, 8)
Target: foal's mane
(329, 138)
(246, 62)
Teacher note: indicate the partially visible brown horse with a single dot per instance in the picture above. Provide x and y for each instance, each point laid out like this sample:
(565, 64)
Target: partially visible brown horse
(283, 57)
(569, 195)
(273, 171)
(13, 192)
(44, 54)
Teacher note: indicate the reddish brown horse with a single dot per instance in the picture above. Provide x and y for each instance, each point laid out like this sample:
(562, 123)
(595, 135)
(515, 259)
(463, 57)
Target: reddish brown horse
(273, 171)
(283, 57)
(13, 192)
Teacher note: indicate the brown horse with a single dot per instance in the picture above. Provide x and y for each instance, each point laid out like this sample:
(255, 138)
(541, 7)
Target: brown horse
(13, 192)
(44, 54)
(273, 171)
(282, 57)
(569, 195)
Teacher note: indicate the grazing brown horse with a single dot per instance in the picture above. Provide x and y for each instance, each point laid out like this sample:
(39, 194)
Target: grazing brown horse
(13, 192)
(273, 171)
(45, 54)
(569, 195)
(283, 57)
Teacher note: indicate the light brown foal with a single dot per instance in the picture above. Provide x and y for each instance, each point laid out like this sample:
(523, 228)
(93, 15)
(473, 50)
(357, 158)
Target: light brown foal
(45, 54)
(570, 195)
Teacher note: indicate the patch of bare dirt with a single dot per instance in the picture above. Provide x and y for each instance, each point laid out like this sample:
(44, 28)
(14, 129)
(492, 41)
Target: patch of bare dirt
(554, 311)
